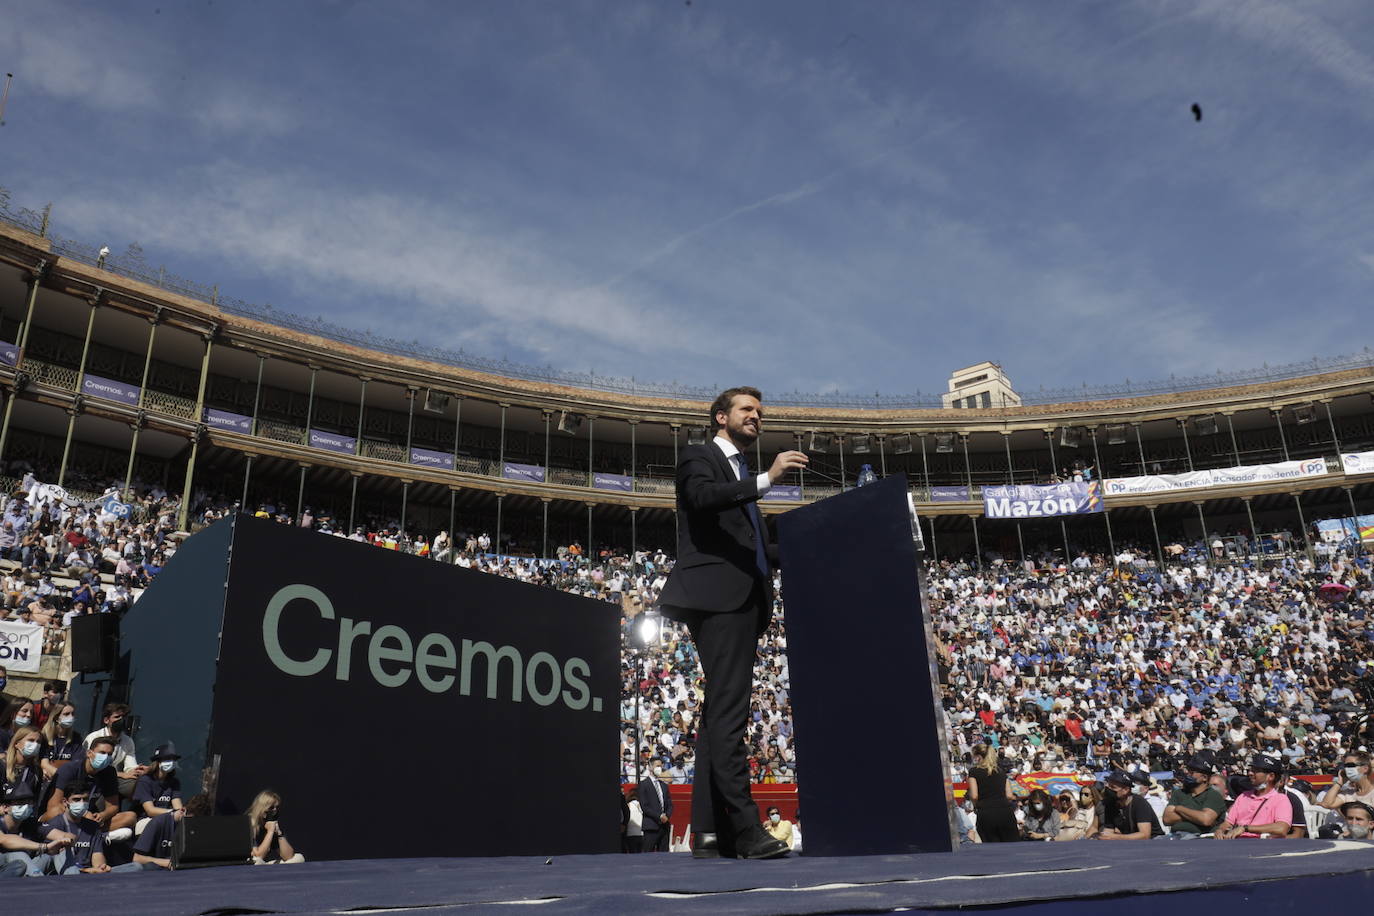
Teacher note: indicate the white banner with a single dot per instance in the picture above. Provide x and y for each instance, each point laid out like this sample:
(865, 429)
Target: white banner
(21, 646)
(1155, 483)
(1258, 473)
(1358, 462)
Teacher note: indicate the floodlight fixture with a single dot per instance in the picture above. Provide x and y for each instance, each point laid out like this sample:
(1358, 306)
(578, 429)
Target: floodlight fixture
(901, 444)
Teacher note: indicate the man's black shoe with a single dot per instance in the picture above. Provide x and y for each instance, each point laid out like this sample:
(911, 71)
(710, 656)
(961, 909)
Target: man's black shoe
(757, 843)
(705, 846)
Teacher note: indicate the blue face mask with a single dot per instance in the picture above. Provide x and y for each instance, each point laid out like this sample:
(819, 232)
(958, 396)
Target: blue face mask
(21, 721)
(29, 749)
(77, 808)
(20, 812)
(101, 761)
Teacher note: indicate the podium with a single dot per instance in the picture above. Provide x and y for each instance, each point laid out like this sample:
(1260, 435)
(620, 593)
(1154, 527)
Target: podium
(872, 765)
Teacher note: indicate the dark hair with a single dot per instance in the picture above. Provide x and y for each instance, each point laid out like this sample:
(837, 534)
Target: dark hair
(104, 739)
(78, 787)
(726, 399)
(115, 709)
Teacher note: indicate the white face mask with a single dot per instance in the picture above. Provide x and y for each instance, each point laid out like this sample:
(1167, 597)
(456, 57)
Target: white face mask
(29, 749)
(20, 812)
(77, 808)
(775, 817)
(167, 766)
(1352, 773)
(67, 721)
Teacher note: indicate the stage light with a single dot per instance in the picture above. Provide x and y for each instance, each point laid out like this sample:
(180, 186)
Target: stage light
(696, 435)
(944, 442)
(435, 401)
(1116, 433)
(901, 444)
(819, 443)
(569, 423)
(1206, 426)
(648, 629)
(861, 445)
(1070, 436)
(1304, 413)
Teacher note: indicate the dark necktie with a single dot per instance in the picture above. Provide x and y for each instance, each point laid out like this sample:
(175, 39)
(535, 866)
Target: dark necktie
(751, 507)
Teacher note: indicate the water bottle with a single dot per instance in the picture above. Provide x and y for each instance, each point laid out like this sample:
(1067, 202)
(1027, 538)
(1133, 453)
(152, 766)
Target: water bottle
(866, 475)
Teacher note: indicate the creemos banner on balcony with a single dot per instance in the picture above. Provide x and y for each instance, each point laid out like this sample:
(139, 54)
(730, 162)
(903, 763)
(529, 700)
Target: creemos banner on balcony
(1156, 483)
(949, 494)
(612, 482)
(223, 419)
(94, 386)
(530, 472)
(21, 646)
(9, 354)
(431, 459)
(1358, 462)
(1031, 501)
(333, 442)
(783, 492)
(1259, 473)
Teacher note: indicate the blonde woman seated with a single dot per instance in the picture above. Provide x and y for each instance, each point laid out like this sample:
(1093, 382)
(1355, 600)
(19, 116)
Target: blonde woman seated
(1075, 823)
(270, 846)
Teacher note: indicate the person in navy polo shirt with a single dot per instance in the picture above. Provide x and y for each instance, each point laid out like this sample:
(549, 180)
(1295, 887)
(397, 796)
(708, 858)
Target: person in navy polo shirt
(62, 739)
(86, 854)
(22, 849)
(159, 791)
(92, 771)
(153, 848)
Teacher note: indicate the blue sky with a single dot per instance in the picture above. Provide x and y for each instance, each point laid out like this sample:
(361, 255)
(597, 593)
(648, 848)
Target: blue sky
(808, 196)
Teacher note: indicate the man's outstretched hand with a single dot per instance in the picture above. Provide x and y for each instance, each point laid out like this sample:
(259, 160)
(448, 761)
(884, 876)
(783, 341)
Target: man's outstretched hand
(786, 461)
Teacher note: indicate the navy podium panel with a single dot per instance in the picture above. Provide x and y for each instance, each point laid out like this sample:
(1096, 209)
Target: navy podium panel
(400, 706)
(860, 656)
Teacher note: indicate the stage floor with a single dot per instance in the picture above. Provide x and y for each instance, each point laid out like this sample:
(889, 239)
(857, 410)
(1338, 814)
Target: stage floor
(1259, 875)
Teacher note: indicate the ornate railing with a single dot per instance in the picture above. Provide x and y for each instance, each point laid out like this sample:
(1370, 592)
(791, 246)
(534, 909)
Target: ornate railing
(170, 403)
(131, 264)
(383, 450)
(282, 432)
(51, 374)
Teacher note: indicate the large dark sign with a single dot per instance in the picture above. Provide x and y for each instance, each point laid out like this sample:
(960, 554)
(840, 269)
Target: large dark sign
(400, 706)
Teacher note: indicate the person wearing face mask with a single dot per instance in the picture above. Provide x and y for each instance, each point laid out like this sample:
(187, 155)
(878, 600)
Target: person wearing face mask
(116, 718)
(24, 761)
(1194, 807)
(62, 740)
(86, 851)
(778, 828)
(23, 850)
(270, 846)
(1359, 821)
(1126, 815)
(95, 772)
(1351, 783)
(1042, 821)
(657, 804)
(19, 714)
(1262, 810)
(159, 790)
(1075, 823)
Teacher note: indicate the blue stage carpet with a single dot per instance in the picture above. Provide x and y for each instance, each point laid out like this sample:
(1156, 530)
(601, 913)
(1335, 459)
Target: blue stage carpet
(1258, 876)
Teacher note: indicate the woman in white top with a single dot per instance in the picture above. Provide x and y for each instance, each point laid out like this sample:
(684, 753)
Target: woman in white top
(634, 827)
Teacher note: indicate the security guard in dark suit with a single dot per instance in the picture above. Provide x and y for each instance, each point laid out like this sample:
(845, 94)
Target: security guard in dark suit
(722, 589)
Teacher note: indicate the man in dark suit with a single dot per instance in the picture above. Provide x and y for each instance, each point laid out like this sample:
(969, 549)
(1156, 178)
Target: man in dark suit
(657, 804)
(722, 589)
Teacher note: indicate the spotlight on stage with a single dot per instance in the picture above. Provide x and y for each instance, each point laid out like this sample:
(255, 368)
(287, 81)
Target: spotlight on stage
(1304, 413)
(648, 629)
(861, 445)
(696, 435)
(901, 444)
(1116, 433)
(1070, 436)
(819, 443)
(569, 423)
(944, 442)
(1206, 426)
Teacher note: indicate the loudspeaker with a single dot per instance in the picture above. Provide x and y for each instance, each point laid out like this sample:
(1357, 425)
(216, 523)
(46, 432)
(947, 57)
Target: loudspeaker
(212, 840)
(95, 642)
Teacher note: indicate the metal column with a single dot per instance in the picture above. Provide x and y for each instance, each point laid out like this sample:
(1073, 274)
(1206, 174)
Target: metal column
(78, 398)
(197, 433)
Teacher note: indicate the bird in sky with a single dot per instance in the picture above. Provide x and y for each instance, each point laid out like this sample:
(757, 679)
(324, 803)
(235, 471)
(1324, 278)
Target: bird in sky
(1197, 112)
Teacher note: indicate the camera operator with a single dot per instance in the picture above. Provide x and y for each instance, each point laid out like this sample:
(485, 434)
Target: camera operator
(1261, 810)
(1351, 783)
(1194, 808)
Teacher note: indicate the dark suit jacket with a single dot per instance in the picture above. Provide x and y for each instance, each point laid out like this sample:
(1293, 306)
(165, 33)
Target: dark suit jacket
(648, 803)
(716, 567)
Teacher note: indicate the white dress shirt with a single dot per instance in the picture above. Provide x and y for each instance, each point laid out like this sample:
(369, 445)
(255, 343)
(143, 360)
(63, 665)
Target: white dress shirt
(730, 451)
